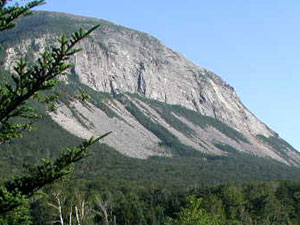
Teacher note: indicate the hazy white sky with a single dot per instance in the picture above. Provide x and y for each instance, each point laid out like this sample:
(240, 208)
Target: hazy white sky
(253, 44)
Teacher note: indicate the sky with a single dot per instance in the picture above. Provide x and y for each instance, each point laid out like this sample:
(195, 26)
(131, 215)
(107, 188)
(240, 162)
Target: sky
(254, 45)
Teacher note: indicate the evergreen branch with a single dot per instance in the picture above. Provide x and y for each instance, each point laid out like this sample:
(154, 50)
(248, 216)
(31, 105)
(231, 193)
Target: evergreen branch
(28, 80)
(13, 192)
(10, 14)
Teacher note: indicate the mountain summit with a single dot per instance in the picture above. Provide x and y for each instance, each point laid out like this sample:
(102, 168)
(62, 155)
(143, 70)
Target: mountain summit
(156, 102)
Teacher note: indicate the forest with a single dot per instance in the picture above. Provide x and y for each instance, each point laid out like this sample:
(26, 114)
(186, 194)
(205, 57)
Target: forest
(94, 202)
(86, 182)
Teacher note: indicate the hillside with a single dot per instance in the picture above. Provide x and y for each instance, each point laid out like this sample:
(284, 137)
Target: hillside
(169, 117)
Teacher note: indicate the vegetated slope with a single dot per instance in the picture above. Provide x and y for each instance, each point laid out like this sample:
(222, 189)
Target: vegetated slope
(108, 166)
(155, 101)
(187, 167)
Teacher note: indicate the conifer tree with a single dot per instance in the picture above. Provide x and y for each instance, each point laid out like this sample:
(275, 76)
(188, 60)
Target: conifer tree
(27, 81)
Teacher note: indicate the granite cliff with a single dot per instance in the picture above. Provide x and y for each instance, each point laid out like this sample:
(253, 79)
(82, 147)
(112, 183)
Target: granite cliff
(132, 78)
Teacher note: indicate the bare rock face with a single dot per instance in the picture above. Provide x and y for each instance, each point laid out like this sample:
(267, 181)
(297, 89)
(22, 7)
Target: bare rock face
(135, 62)
(120, 60)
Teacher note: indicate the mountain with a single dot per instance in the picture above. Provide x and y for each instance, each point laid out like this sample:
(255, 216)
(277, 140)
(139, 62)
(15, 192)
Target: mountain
(156, 102)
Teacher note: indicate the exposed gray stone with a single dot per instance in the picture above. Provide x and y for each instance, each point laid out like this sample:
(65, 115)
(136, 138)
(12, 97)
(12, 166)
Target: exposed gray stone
(120, 60)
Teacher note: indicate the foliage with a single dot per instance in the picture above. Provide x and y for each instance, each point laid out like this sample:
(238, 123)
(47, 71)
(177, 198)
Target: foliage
(166, 111)
(97, 98)
(16, 115)
(278, 144)
(12, 192)
(226, 148)
(109, 166)
(22, 215)
(122, 190)
(230, 204)
(168, 139)
(28, 80)
(35, 23)
(194, 214)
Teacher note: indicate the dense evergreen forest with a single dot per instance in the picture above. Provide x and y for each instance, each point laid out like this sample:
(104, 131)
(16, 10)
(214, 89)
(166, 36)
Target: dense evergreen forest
(115, 189)
(109, 188)
(126, 203)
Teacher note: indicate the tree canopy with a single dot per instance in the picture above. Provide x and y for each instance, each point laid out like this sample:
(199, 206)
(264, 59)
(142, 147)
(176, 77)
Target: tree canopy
(25, 83)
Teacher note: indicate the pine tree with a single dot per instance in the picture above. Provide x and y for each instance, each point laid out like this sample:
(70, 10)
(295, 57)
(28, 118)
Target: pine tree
(27, 81)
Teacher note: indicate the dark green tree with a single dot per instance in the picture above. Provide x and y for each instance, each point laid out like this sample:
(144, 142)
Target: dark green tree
(194, 214)
(26, 83)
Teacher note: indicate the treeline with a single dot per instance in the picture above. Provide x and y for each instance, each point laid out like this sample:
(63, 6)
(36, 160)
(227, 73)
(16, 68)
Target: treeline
(251, 204)
(111, 188)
